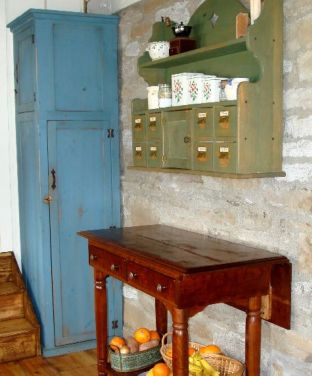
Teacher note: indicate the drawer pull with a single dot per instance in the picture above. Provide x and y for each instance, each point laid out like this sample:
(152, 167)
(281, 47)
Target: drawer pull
(93, 257)
(132, 275)
(114, 268)
(160, 288)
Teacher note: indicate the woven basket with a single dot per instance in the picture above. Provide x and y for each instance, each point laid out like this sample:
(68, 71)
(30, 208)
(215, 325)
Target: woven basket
(223, 364)
(165, 347)
(135, 361)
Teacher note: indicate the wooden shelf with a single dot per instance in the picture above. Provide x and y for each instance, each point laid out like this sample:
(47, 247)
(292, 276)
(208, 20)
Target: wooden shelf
(219, 49)
(211, 173)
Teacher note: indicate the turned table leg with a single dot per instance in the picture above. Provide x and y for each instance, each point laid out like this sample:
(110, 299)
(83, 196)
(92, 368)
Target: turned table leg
(161, 317)
(101, 321)
(180, 342)
(253, 337)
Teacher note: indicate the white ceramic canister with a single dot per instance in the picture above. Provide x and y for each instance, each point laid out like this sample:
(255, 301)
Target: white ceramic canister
(152, 97)
(211, 89)
(195, 88)
(179, 84)
(231, 87)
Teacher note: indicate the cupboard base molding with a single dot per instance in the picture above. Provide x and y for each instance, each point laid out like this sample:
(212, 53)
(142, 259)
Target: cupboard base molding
(211, 173)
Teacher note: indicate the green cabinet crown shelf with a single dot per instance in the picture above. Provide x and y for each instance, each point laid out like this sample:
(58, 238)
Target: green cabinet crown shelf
(240, 138)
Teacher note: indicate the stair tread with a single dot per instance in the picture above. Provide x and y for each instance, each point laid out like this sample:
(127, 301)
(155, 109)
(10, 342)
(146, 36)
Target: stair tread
(14, 327)
(7, 288)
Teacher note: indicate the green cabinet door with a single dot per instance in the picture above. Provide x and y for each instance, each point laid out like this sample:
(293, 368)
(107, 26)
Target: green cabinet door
(177, 139)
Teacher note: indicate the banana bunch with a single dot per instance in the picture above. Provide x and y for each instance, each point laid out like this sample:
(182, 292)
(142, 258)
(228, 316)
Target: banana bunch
(200, 367)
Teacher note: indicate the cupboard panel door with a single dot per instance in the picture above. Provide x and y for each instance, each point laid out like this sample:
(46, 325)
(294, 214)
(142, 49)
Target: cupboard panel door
(82, 69)
(177, 139)
(25, 71)
(80, 185)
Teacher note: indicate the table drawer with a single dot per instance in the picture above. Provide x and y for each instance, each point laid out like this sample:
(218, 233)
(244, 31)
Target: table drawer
(107, 261)
(152, 282)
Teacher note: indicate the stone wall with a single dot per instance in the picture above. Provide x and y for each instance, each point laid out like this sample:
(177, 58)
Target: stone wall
(275, 214)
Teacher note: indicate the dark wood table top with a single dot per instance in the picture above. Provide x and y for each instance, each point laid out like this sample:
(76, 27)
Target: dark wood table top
(185, 251)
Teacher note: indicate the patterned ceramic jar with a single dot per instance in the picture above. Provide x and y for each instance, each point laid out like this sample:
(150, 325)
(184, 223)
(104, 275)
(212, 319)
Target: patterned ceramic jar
(195, 89)
(158, 50)
(180, 92)
(211, 89)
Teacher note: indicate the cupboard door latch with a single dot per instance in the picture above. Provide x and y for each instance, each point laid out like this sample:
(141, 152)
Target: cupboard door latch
(115, 324)
(110, 133)
(53, 173)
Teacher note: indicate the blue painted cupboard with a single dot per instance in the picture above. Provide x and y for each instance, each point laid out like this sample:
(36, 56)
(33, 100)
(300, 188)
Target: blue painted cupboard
(66, 94)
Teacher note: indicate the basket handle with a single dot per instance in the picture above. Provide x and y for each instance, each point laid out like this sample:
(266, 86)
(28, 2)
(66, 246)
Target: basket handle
(164, 337)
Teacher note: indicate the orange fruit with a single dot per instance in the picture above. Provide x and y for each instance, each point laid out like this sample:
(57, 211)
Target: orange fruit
(168, 352)
(154, 335)
(210, 349)
(191, 351)
(116, 343)
(161, 369)
(142, 335)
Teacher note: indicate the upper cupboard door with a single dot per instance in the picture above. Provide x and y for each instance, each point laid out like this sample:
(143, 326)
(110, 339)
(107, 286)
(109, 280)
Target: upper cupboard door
(25, 71)
(81, 67)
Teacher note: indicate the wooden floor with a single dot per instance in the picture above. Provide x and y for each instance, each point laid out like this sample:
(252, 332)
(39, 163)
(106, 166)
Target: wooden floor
(76, 364)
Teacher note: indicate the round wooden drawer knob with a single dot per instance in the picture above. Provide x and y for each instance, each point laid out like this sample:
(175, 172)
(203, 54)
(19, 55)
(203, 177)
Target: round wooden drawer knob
(114, 268)
(132, 275)
(160, 288)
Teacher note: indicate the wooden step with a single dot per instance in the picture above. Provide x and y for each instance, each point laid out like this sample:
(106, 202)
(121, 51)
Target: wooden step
(18, 339)
(11, 301)
(5, 266)
(19, 328)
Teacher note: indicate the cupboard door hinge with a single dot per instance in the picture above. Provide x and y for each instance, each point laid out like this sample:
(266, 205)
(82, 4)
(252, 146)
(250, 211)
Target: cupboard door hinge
(110, 133)
(115, 324)
(112, 226)
(35, 97)
(33, 38)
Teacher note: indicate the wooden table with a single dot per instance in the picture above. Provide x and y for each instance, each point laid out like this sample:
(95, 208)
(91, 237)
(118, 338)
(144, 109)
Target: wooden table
(185, 272)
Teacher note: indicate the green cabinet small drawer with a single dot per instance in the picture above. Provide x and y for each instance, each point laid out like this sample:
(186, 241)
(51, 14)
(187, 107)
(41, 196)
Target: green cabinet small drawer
(139, 127)
(153, 126)
(154, 154)
(203, 156)
(225, 121)
(139, 154)
(203, 123)
(225, 156)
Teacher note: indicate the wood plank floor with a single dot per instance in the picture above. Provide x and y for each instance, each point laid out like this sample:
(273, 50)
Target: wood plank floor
(76, 364)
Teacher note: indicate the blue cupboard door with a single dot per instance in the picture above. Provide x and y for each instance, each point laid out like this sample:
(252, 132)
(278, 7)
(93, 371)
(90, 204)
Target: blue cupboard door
(25, 71)
(80, 184)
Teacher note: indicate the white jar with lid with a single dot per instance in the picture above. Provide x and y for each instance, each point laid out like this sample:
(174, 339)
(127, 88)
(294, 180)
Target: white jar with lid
(231, 87)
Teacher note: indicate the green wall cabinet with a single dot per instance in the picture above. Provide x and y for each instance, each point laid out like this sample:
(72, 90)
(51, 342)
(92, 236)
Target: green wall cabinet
(238, 139)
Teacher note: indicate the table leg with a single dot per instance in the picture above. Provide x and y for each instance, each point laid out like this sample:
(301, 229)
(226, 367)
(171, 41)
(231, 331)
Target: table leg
(101, 321)
(161, 317)
(253, 337)
(180, 342)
